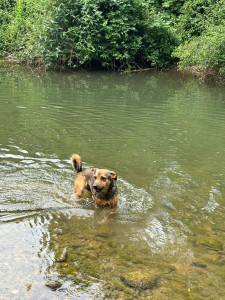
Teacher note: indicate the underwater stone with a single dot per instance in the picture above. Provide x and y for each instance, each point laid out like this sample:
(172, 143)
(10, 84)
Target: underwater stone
(53, 285)
(141, 280)
(93, 255)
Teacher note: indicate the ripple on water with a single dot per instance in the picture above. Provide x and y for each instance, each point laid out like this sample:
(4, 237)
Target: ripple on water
(212, 203)
(133, 199)
(33, 183)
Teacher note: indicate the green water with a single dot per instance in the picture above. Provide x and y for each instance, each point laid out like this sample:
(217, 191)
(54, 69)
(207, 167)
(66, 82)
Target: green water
(163, 133)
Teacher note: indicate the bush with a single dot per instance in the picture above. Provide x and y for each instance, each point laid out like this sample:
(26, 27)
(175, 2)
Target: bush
(26, 30)
(111, 34)
(92, 33)
(114, 34)
(202, 27)
(5, 16)
(102, 32)
(206, 51)
(168, 7)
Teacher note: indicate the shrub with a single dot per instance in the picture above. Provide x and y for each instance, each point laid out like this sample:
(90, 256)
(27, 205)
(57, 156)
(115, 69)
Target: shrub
(5, 16)
(206, 51)
(93, 33)
(25, 31)
(202, 27)
(112, 34)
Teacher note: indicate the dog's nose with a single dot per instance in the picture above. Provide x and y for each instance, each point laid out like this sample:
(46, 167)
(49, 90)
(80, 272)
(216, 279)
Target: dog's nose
(95, 186)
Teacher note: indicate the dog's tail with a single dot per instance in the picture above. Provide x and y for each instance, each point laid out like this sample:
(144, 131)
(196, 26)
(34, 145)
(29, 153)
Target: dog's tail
(76, 162)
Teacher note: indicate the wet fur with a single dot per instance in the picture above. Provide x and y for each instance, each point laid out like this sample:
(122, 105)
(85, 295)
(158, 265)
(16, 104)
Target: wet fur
(100, 182)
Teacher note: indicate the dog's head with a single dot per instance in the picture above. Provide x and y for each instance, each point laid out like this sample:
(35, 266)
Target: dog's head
(103, 180)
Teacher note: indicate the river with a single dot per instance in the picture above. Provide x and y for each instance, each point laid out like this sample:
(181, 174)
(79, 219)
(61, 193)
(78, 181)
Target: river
(162, 132)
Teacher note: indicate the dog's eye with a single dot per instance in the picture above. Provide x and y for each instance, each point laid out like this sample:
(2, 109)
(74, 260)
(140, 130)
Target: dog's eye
(103, 178)
(95, 177)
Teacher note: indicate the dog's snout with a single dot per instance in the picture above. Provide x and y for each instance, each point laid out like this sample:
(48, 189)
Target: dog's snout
(95, 186)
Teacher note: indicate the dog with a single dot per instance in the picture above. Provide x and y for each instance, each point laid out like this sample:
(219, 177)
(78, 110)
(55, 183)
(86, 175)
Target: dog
(100, 182)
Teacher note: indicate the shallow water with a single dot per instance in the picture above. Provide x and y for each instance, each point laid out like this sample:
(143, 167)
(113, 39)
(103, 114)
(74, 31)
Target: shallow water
(163, 133)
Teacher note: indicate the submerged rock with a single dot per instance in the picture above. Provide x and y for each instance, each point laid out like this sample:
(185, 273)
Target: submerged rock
(93, 255)
(53, 285)
(141, 280)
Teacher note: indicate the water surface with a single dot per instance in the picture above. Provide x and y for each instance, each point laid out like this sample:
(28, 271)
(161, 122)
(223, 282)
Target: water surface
(163, 133)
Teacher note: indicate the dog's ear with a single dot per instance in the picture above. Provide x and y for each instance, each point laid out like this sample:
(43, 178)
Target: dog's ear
(94, 171)
(113, 175)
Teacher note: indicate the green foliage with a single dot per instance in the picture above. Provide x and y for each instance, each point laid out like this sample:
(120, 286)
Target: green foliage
(158, 41)
(26, 30)
(98, 33)
(197, 15)
(206, 51)
(106, 33)
(114, 34)
(5, 16)
(202, 27)
(169, 7)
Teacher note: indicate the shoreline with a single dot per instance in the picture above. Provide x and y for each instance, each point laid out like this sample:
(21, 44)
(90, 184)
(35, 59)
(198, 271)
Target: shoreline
(200, 73)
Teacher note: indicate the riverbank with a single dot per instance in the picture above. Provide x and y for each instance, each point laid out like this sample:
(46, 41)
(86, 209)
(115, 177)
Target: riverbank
(127, 35)
(201, 74)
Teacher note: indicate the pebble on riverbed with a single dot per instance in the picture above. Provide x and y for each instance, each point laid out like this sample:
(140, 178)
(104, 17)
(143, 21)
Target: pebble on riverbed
(141, 280)
(53, 285)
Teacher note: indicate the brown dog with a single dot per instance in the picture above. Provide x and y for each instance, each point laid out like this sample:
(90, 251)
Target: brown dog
(100, 182)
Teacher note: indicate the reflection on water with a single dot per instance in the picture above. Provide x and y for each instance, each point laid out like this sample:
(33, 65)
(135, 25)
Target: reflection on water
(163, 133)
